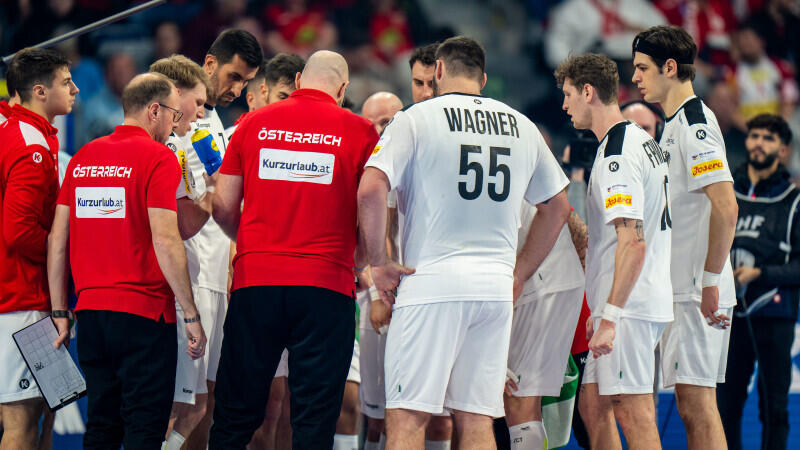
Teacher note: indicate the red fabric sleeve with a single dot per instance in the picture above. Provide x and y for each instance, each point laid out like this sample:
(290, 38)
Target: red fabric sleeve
(232, 162)
(24, 205)
(163, 182)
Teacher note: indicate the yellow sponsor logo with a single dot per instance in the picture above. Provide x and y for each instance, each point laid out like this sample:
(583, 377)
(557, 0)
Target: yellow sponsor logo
(619, 199)
(708, 166)
(184, 172)
(376, 150)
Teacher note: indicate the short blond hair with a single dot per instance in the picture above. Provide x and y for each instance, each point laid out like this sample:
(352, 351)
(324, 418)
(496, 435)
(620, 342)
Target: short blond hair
(183, 72)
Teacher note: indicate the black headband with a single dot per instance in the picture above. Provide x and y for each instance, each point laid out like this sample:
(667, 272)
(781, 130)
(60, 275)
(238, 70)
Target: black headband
(656, 51)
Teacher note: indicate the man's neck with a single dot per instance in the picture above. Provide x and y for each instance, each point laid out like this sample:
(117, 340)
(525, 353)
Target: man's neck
(756, 175)
(39, 109)
(461, 86)
(135, 122)
(676, 96)
(604, 118)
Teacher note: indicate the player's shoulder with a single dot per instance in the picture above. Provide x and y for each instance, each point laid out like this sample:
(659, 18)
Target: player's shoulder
(692, 112)
(614, 139)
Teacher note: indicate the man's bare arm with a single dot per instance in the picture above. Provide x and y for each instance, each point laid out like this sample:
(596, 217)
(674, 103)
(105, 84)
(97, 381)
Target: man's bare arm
(192, 215)
(171, 256)
(57, 268)
(628, 259)
(545, 228)
(227, 203)
(580, 236)
(372, 214)
(722, 224)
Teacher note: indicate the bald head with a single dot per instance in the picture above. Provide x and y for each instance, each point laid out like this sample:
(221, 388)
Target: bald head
(379, 109)
(325, 71)
(642, 116)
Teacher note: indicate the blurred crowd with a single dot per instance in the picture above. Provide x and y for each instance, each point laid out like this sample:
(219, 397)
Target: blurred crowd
(749, 50)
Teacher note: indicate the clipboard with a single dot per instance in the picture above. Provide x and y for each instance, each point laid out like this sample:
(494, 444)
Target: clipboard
(54, 370)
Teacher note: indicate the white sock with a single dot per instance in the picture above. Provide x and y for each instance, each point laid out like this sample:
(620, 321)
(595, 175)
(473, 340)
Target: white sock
(528, 436)
(437, 445)
(382, 442)
(174, 441)
(345, 441)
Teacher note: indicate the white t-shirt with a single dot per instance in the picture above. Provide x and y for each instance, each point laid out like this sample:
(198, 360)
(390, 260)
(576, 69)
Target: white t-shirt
(560, 271)
(696, 150)
(629, 180)
(461, 165)
(208, 251)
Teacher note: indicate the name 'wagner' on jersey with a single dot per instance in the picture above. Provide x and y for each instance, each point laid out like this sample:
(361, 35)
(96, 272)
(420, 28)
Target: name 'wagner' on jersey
(630, 180)
(462, 166)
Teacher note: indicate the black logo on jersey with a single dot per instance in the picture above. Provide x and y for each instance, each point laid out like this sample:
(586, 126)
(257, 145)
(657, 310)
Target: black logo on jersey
(613, 166)
(24, 383)
(701, 134)
(172, 147)
(477, 102)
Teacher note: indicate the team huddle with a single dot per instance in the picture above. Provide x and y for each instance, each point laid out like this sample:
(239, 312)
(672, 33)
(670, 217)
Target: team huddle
(450, 214)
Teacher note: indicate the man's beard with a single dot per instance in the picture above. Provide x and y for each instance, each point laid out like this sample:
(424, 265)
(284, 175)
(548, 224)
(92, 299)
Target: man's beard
(769, 160)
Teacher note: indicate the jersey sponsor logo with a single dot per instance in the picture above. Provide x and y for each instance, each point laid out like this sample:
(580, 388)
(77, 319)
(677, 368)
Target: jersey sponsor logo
(701, 134)
(287, 165)
(100, 202)
(381, 143)
(24, 383)
(616, 187)
(376, 149)
(613, 166)
(300, 138)
(703, 155)
(101, 171)
(172, 147)
(706, 167)
(37, 157)
(619, 199)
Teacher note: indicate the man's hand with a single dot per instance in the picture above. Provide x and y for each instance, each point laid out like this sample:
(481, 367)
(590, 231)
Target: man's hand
(602, 342)
(589, 328)
(386, 279)
(197, 340)
(745, 275)
(379, 315)
(511, 383)
(62, 325)
(709, 306)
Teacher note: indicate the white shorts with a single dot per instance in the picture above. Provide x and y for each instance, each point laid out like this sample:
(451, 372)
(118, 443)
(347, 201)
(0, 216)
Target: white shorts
(541, 338)
(433, 351)
(630, 367)
(16, 381)
(191, 376)
(693, 352)
(283, 365)
(372, 390)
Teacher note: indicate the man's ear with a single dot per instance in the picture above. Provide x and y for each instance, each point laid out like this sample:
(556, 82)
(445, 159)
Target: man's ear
(483, 82)
(210, 64)
(341, 91)
(297, 80)
(670, 68)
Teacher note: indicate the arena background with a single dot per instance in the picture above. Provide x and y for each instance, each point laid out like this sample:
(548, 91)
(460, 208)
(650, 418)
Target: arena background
(524, 40)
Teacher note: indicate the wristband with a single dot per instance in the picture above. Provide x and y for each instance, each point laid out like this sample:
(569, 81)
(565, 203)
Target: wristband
(612, 313)
(210, 189)
(710, 279)
(191, 319)
(359, 269)
(373, 293)
(60, 314)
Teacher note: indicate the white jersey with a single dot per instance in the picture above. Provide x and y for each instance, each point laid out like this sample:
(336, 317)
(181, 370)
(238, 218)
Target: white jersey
(560, 271)
(629, 180)
(182, 149)
(208, 251)
(461, 165)
(696, 151)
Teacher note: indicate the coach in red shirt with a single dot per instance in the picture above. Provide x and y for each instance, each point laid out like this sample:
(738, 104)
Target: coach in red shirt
(117, 210)
(296, 164)
(28, 187)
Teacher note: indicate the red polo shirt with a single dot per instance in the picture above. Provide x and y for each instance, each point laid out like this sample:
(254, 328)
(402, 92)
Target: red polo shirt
(28, 189)
(108, 187)
(301, 160)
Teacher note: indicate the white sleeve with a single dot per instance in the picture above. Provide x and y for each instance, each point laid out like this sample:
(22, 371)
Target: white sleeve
(391, 199)
(393, 152)
(704, 149)
(548, 178)
(621, 187)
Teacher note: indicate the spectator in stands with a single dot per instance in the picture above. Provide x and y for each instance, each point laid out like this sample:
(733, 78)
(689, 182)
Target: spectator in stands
(765, 85)
(778, 22)
(294, 27)
(103, 111)
(767, 260)
(606, 26)
(167, 40)
(200, 32)
(389, 31)
(709, 22)
(722, 99)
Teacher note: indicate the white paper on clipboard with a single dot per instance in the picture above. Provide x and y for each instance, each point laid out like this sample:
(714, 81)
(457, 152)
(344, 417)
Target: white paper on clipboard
(59, 379)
